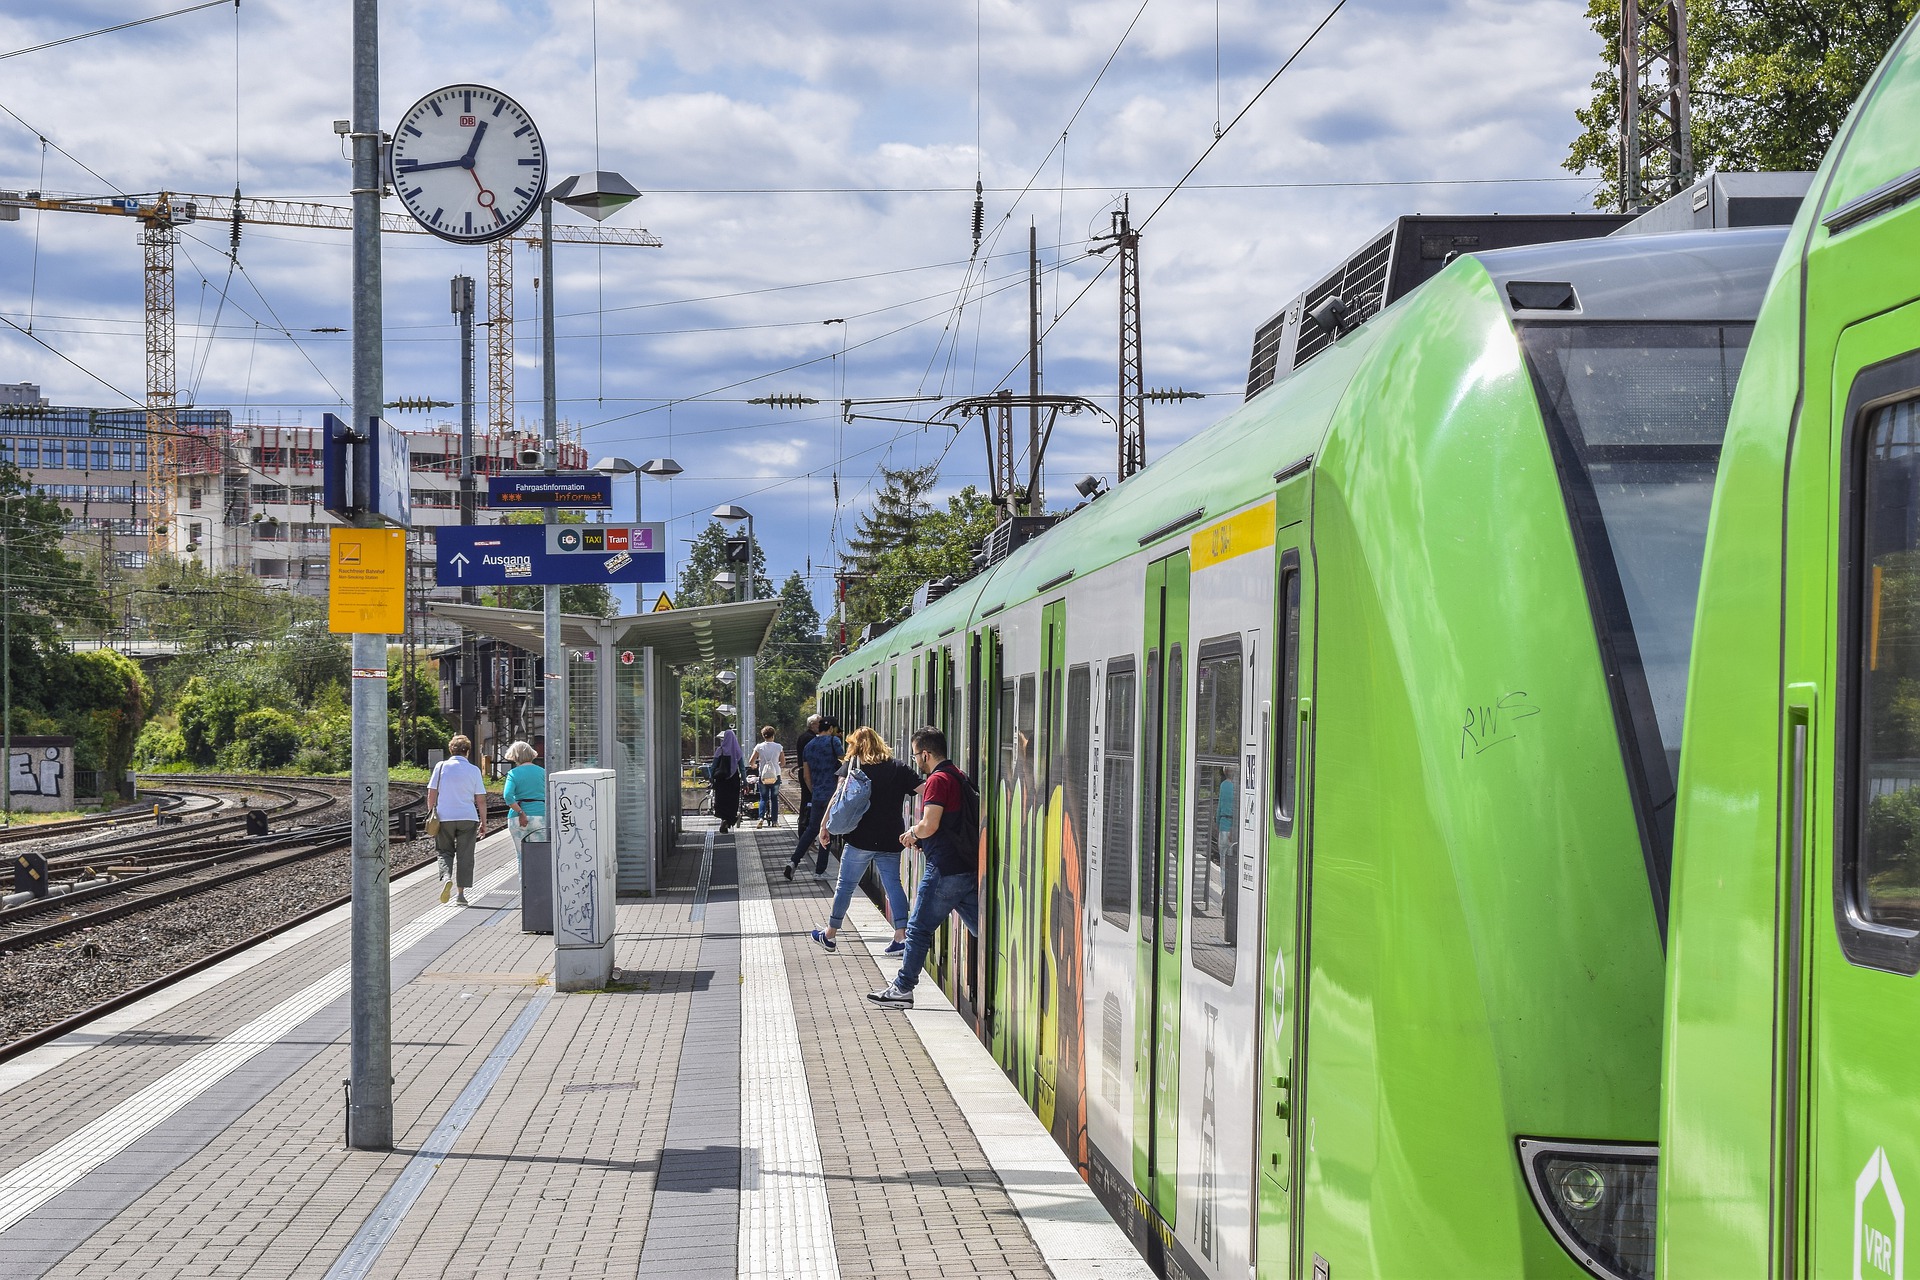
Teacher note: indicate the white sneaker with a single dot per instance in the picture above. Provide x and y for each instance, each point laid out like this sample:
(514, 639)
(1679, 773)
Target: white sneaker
(892, 997)
(446, 890)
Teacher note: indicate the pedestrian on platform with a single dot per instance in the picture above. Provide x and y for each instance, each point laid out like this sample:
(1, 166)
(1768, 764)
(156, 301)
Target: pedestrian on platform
(525, 794)
(819, 770)
(764, 764)
(948, 833)
(800, 771)
(724, 774)
(457, 796)
(875, 841)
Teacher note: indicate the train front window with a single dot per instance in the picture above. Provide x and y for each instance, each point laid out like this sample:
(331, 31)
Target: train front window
(1636, 414)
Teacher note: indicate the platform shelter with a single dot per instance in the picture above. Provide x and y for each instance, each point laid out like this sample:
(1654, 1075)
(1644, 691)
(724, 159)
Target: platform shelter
(623, 702)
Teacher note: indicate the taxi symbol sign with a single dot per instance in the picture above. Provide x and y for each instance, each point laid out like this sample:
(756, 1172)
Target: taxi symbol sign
(1874, 1253)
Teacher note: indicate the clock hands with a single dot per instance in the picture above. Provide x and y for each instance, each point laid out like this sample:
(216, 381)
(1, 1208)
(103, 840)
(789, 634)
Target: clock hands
(473, 148)
(464, 162)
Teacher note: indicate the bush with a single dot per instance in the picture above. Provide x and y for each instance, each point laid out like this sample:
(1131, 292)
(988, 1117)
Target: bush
(159, 746)
(263, 739)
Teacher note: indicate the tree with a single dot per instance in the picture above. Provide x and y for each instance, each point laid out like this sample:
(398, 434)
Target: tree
(905, 541)
(48, 591)
(788, 675)
(1771, 83)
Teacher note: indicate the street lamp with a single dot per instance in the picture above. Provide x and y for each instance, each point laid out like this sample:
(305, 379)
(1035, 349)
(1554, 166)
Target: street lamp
(731, 514)
(597, 195)
(659, 468)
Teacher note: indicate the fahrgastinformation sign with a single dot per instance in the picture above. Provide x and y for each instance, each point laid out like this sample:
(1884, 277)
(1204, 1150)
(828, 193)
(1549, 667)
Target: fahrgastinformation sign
(563, 489)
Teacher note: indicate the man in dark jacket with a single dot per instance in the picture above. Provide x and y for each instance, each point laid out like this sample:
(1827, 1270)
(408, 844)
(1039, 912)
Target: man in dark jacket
(819, 764)
(948, 834)
(800, 769)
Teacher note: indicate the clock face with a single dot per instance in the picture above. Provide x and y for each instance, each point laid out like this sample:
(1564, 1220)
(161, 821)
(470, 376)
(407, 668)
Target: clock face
(468, 163)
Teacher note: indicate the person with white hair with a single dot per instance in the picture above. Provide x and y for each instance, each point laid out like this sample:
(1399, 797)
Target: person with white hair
(526, 794)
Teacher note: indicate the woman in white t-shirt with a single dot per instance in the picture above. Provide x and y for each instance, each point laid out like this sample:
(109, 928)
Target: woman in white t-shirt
(765, 764)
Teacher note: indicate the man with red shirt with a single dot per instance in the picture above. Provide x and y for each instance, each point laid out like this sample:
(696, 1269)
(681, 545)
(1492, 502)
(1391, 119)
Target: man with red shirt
(950, 842)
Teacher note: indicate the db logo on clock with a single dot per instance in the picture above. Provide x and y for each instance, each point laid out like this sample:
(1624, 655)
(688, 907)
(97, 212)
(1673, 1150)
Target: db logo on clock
(468, 122)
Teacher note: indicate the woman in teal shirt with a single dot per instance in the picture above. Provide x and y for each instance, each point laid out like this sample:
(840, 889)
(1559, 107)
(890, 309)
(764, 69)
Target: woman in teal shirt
(525, 794)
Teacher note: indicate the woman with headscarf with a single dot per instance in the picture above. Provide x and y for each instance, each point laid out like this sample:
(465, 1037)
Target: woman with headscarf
(729, 764)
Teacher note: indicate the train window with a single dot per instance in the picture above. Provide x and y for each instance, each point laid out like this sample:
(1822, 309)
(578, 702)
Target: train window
(1285, 770)
(1170, 811)
(1212, 903)
(1079, 752)
(1635, 414)
(1885, 871)
(1004, 723)
(1150, 709)
(1025, 780)
(1116, 792)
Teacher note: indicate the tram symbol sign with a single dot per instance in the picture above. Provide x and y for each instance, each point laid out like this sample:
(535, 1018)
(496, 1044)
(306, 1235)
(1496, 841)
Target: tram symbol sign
(1874, 1253)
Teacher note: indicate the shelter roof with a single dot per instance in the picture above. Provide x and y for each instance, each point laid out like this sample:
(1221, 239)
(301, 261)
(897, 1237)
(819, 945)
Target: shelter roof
(678, 637)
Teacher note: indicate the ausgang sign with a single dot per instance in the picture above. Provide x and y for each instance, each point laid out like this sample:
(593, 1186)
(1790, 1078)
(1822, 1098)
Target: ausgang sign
(517, 555)
(537, 489)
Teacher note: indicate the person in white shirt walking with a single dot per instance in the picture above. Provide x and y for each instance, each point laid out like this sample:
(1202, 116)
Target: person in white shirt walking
(765, 764)
(457, 796)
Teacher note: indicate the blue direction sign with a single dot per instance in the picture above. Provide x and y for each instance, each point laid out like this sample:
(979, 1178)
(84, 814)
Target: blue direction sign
(515, 555)
(537, 489)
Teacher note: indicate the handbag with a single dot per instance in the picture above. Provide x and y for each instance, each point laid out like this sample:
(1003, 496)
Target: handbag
(433, 824)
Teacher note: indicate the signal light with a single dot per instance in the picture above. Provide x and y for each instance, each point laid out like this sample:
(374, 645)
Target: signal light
(736, 550)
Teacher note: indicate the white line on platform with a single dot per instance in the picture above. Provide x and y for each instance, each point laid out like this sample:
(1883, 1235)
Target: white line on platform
(28, 1186)
(371, 1239)
(786, 1230)
(1069, 1225)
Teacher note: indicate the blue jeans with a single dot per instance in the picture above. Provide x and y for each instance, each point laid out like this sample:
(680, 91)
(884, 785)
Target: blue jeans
(769, 801)
(853, 865)
(939, 896)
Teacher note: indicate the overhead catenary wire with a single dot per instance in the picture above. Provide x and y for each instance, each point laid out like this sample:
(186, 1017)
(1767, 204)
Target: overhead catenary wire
(119, 26)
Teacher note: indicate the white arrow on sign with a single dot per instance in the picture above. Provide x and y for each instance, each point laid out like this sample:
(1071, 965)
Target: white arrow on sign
(459, 562)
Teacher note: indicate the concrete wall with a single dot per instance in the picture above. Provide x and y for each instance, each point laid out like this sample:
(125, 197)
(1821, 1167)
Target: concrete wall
(39, 774)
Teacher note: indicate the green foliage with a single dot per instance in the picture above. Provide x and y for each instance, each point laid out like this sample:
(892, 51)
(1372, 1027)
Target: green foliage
(906, 541)
(1770, 83)
(208, 713)
(159, 746)
(264, 739)
(788, 674)
(1893, 839)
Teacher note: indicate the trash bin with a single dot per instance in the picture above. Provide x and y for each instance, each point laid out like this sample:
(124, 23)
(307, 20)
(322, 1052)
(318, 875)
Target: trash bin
(536, 886)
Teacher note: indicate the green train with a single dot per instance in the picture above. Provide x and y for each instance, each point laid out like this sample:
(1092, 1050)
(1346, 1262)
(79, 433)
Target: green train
(1791, 1107)
(1332, 781)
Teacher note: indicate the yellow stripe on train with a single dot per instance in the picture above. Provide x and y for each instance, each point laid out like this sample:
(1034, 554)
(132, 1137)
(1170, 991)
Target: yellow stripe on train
(1250, 530)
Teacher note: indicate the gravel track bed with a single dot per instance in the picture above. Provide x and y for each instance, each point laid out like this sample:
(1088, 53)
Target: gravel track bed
(228, 795)
(47, 983)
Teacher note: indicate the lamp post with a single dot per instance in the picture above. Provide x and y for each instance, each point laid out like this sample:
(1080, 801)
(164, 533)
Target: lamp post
(732, 514)
(597, 195)
(659, 468)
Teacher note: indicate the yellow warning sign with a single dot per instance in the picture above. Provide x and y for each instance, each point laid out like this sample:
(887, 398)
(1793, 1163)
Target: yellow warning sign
(664, 603)
(367, 580)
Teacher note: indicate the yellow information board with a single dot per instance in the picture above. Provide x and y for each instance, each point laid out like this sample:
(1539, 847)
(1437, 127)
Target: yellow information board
(367, 580)
(663, 604)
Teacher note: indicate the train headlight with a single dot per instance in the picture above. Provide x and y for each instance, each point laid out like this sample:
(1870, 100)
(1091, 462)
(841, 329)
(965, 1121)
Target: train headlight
(1598, 1200)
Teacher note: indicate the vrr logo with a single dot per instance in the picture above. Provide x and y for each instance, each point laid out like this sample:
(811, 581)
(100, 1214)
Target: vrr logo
(1875, 1252)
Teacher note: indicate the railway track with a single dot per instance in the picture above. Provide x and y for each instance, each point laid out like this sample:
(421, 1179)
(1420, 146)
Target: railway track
(79, 955)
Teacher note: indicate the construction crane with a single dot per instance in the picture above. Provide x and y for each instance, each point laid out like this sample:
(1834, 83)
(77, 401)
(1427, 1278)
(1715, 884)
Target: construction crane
(161, 215)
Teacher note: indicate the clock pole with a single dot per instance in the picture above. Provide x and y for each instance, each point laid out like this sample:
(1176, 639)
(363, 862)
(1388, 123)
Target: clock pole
(370, 1100)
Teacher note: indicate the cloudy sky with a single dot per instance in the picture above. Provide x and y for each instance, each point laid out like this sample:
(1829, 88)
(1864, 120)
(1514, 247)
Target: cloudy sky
(802, 164)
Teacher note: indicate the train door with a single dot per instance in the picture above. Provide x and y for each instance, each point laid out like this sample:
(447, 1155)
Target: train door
(1285, 732)
(1157, 984)
(990, 773)
(1862, 882)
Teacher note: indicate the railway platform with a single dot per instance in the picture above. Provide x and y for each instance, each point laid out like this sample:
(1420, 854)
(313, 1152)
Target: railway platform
(731, 1105)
